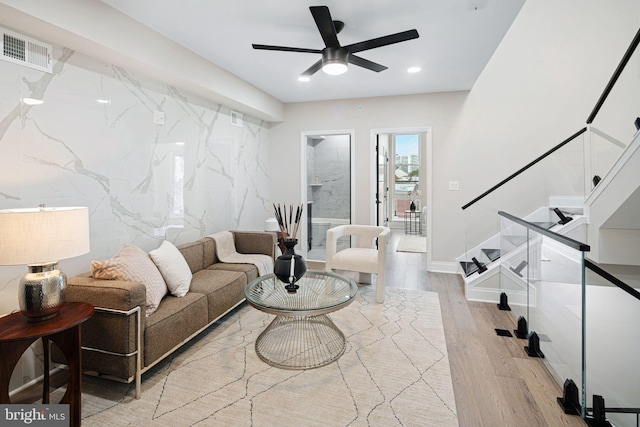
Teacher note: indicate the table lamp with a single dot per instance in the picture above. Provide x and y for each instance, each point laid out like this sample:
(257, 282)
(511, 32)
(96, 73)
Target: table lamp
(39, 237)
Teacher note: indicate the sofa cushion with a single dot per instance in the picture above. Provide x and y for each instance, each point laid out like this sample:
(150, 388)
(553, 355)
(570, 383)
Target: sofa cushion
(224, 289)
(173, 268)
(250, 270)
(209, 251)
(175, 320)
(133, 264)
(193, 255)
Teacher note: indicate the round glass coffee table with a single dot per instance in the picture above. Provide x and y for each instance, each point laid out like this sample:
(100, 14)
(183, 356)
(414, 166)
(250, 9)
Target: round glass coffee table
(302, 336)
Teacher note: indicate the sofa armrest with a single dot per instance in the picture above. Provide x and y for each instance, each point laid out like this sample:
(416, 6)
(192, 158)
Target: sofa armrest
(256, 242)
(111, 341)
(114, 294)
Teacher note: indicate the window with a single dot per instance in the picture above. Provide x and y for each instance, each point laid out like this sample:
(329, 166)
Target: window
(407, 173)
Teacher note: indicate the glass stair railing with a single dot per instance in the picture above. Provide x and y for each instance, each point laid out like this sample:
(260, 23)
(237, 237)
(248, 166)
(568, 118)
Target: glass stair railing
(577, 318)
(611, 374)
(541, 276)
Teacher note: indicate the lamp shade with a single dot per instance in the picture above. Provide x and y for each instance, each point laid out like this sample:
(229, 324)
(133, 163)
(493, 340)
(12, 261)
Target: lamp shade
(271, 224)
(42, 235)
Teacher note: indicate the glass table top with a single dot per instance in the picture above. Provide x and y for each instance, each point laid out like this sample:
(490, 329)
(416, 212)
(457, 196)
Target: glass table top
(320, 292)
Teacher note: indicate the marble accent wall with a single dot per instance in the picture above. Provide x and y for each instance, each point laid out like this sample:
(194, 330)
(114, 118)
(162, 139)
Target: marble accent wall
(93, 142)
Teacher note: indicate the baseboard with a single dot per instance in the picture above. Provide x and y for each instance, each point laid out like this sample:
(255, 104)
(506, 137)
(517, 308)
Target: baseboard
(493, 295)
(442, 267)
(483, 295)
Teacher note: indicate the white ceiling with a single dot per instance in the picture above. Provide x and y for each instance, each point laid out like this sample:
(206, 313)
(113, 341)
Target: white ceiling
(457, 39)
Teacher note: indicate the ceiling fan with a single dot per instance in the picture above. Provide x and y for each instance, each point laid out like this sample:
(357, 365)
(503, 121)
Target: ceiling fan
(334, 56)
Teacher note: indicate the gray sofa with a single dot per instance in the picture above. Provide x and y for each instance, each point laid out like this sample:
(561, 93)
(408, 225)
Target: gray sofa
(120, 343)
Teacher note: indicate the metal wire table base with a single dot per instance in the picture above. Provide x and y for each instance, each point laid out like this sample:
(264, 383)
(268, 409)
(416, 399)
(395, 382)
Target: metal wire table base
(300, 342)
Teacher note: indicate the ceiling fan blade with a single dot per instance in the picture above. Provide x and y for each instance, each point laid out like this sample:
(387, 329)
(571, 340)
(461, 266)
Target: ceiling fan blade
(312, 70)
(322, 16)
(382, 41)
(365, 63)
(285, 48)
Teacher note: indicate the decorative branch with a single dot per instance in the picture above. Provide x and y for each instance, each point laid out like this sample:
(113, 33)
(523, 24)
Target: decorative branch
(288, 223)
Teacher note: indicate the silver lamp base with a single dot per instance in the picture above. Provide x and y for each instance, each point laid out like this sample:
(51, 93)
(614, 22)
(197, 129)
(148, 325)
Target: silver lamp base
(41, 292)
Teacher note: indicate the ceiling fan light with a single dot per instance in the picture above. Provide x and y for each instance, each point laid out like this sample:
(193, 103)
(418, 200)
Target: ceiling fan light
(335, 68)
(335, 60)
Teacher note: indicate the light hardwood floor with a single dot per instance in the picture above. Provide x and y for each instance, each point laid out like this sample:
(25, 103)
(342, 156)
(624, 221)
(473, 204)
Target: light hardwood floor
(495, 382)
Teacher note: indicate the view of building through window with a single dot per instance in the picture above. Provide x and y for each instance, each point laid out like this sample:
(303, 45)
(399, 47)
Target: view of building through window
(407, 173)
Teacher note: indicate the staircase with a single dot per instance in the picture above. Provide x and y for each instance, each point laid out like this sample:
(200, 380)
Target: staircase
(567, 299)
(481, 266)
(614, 211)
(608, 220)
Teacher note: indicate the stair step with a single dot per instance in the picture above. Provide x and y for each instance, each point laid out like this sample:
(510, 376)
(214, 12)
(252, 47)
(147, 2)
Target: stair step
(492, 254)
(468, 267)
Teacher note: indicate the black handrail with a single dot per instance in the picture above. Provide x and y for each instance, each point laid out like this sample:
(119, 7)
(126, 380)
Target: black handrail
(614, 78)
(619, 283)
(603, 97)
(574, 244)
(513, 175)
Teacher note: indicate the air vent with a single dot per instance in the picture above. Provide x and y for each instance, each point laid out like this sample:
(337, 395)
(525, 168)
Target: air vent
(236, 119)
(25, 51)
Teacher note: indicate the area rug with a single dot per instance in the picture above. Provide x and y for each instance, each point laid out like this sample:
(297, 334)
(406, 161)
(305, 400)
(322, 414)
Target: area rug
(394, 372)
(412, 244)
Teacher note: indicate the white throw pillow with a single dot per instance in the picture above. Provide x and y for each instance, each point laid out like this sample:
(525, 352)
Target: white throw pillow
(174, 268)
(133, 264)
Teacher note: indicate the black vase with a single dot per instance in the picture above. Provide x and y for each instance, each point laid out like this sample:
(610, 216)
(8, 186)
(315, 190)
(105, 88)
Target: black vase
(282, 267)
(412, 206)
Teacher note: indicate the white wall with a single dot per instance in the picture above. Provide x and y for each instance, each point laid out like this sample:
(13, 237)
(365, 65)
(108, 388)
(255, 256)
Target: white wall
(537, 89)
(438, 111)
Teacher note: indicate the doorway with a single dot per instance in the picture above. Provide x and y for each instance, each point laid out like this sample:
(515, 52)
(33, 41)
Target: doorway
(401, 174)
(405, 180)
(327, 188)
(382, 189)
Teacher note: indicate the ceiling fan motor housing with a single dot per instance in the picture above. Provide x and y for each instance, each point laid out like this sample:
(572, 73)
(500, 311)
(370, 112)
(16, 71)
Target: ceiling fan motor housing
(334, 60)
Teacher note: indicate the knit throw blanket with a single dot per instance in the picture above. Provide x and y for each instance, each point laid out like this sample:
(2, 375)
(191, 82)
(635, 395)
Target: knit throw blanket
(226, 251)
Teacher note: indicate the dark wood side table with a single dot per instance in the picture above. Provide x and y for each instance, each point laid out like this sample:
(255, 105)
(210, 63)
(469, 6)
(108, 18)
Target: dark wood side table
(16, 335)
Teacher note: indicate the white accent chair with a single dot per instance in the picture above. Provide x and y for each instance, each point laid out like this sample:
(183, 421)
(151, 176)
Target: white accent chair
(363, 257)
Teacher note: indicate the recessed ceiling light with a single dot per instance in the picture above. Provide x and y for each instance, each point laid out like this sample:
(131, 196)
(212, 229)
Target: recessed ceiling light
(32, 101)
(102, 101)
(304, 78)
(414, 69)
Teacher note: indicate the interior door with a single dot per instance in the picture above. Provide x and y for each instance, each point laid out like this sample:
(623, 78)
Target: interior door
(382, 191)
